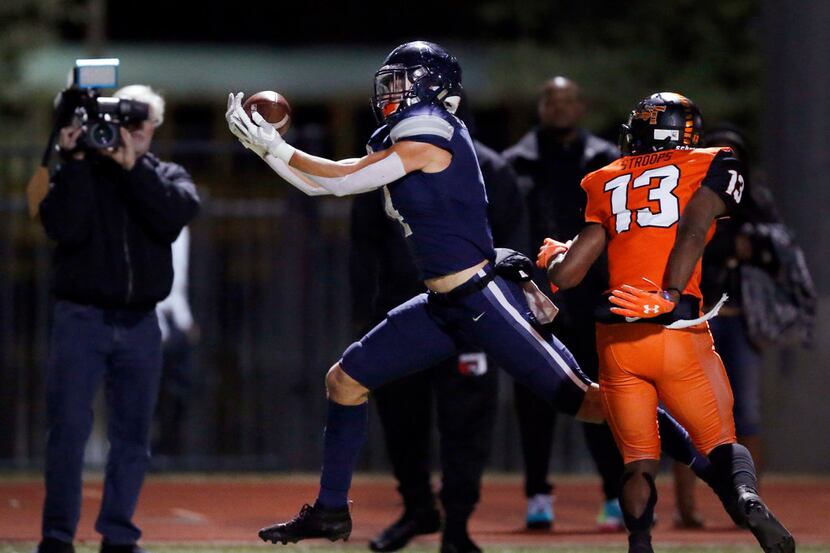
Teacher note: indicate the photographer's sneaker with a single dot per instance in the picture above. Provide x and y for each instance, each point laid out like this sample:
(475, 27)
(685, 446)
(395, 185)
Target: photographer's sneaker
(539, 512)
(312, 522)
(121, 548)
(52, 545)
(771, 534)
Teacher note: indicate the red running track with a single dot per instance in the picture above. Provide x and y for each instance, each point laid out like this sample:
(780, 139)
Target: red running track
(231, 509)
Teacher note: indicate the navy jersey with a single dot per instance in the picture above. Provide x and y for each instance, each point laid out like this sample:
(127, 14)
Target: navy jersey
(444, 214)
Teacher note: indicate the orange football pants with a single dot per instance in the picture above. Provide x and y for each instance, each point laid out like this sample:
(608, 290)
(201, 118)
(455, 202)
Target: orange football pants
(643, 364)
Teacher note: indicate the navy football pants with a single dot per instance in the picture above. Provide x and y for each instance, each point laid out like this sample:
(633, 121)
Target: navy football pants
(495, 319)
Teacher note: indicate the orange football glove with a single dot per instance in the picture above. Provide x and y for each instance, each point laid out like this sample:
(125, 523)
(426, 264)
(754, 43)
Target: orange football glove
(550, 249)
(642, 304)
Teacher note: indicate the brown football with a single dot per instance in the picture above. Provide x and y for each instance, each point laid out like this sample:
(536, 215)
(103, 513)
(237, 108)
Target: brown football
(272, 106)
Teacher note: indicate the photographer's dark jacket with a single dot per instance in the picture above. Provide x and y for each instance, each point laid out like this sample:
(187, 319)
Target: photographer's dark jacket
(114, 229)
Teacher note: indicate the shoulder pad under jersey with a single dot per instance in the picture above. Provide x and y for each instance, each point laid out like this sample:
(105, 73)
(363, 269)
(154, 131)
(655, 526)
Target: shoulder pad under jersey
(426, 120)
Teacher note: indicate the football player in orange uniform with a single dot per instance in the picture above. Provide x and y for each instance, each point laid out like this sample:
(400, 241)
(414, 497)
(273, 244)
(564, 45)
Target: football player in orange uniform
(654, 210)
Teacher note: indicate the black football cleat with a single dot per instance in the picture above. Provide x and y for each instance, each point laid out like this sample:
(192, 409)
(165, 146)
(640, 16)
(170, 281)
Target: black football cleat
(401, 532)
(312, 522)
(771, 534)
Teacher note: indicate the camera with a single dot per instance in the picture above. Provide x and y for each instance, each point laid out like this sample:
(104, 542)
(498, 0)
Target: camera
(100, 117)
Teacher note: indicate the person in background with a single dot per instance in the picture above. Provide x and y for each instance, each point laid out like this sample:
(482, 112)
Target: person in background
(732, 248)
(179, 333)
(551, 160)
(113, 215)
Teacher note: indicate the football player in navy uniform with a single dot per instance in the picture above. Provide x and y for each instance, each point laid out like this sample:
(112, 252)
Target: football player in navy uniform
(423, 158)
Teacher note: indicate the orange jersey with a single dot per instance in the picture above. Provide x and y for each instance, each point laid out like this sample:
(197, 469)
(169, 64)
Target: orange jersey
(639, 200)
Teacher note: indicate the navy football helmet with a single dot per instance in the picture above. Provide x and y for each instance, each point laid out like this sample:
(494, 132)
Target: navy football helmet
(413, 73)
(663, 121)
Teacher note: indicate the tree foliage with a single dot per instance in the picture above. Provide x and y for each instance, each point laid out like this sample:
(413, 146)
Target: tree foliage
(622, 51)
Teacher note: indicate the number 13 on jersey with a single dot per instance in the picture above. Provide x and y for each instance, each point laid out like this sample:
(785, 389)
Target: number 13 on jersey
(666, 178)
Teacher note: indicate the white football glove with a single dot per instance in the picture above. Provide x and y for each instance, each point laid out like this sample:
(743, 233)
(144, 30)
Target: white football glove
(257, 135)
(238, 129)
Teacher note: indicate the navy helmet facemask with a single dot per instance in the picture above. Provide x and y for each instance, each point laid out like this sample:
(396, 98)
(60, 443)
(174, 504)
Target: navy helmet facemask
(413, 73)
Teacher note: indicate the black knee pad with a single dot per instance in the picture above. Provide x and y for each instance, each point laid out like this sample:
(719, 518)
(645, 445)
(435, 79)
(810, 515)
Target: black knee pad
(642, 523)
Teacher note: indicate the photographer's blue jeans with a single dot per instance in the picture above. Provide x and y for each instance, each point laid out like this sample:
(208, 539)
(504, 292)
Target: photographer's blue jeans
(123, 349)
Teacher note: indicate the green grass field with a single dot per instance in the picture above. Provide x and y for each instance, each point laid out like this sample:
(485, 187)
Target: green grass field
(224, 548)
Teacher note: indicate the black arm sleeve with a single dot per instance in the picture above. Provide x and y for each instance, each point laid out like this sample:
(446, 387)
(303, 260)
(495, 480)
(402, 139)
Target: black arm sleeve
(66, 211)
(725, 177)
(163, 196)
(364, 256)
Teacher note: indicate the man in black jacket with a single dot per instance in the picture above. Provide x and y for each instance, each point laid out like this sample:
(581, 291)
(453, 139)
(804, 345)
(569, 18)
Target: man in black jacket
(550, 161)
(383, 274)
(113, 215)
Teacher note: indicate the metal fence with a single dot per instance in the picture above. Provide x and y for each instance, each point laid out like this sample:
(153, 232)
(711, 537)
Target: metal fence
(270, 293)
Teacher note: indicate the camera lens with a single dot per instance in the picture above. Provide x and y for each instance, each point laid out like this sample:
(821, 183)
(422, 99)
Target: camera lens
(103, 135)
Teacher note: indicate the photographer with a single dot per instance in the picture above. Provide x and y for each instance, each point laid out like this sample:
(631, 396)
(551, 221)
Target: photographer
(113, 214)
